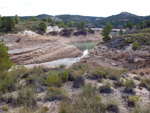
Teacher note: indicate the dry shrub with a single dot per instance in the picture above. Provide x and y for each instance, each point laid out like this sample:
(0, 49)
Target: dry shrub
(145, 71)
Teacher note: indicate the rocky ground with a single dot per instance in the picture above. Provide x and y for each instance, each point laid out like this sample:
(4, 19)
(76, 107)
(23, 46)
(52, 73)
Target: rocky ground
(114, 87)
(119, 56)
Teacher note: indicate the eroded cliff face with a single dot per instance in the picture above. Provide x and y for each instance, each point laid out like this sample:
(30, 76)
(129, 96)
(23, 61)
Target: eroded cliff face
(38, 51)
(29, 48)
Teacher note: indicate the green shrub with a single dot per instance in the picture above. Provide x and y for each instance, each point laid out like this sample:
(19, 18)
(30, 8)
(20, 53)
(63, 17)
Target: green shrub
(145, 83)
(27, 98)
(119, 83)
(53, 80)
(54, 93)
(88, 102)
(64, 76)
(113, 74)
(132, 100)
(7, 85)
(135, 46)
(130, 84)
(5, 108)
(17, 71)
(97, 73)
(78, 69)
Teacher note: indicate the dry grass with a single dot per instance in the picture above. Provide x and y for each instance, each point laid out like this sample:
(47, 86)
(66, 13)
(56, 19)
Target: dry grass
(146, 71)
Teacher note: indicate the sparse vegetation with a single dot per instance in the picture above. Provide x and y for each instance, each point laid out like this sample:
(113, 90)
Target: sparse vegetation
(131, 101)
(85, 86)
(135, 46)
(88, 102)
(106, 88)
(54, 93)
(97, 74)
(26, 97)
(145, 83)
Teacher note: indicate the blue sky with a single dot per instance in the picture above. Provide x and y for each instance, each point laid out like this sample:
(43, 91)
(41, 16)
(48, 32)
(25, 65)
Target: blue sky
(101, 8)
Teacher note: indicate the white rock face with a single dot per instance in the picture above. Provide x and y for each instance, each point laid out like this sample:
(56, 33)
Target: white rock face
(55, 28)
(28, 33)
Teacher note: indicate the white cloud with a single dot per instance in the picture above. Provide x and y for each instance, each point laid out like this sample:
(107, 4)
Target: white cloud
(81, 7)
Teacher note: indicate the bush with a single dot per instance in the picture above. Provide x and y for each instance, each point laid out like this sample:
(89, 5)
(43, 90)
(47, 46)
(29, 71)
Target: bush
(119, 83)
(79, 82)
(135, 46)
(27, 98)
(132, 100)
(53, 80)
(105, 89)
(88, 102)
(64, 76)
(113, 108)
(42, 27)
(54, 93)
(8, 85)
(97, 74)
(113, 74)
(90, 30)
(130, 84)
(145, 83)
(81, 32)
(66, 32)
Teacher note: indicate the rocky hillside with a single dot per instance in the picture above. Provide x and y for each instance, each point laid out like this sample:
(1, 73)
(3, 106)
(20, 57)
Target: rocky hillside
(119, 52)
(117, 21)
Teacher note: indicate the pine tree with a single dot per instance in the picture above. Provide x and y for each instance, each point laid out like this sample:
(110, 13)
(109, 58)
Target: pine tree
(42, 26)
(7, 23)
(5, 63)
(17, 19)
(106, 31)
(129, 25)
(70, 24)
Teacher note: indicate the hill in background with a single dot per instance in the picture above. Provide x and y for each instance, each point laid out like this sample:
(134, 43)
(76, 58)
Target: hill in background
(117, 21)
